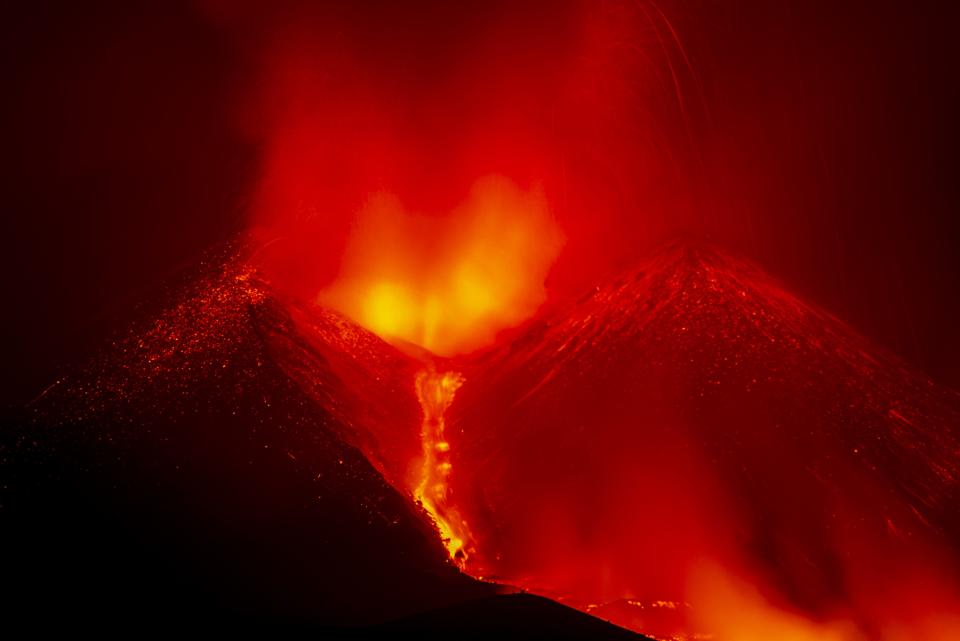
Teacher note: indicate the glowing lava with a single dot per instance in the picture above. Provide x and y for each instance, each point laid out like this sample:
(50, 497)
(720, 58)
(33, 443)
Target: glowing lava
(435, 392)
(448, 283)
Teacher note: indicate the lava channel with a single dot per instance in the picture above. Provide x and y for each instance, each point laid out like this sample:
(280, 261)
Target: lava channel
(435, 392)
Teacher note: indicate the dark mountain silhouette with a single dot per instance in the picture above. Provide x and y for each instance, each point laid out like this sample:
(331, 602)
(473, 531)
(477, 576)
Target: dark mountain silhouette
(186, 473)
(524, 615)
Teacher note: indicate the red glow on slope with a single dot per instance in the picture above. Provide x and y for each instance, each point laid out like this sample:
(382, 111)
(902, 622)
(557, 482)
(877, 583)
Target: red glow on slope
(712, 456)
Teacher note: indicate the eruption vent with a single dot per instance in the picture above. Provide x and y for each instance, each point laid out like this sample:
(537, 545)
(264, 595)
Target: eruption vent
(448, 283)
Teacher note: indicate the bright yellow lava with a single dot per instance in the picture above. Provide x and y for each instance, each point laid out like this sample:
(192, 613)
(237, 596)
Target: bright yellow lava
(436, 392)
(449, 282)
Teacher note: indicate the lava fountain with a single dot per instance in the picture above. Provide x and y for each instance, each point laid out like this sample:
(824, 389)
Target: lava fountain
(448, 283)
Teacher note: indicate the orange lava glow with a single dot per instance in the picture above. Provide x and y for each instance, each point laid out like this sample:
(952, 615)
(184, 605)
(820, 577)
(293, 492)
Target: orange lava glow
(736, 610)
(733, 608)
(448, 284)
(435, 392)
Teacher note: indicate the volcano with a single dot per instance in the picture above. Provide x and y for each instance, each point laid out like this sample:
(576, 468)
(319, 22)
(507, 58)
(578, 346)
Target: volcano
(683, 430)
(234, 458)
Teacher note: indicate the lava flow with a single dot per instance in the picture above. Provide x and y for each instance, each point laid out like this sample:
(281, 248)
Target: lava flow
(435, 392)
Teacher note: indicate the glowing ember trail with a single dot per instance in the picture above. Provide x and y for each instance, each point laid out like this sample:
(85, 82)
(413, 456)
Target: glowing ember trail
(435, 392)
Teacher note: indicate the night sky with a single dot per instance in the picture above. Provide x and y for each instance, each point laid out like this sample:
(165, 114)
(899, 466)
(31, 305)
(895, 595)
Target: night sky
(817, 138)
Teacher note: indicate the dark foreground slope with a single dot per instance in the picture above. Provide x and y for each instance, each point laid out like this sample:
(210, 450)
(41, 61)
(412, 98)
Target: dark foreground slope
(505, 616)
(235, 460)
(187, 473)
(693, 410)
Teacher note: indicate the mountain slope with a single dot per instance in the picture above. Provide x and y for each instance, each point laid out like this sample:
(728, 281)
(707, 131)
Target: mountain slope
(187, 473)
(686, 449)
(693, 412)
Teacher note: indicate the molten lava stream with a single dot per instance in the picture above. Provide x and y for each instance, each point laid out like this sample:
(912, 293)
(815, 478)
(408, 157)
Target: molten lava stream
(435, 392)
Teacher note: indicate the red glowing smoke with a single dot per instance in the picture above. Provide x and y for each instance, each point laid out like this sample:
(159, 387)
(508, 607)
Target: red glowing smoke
(572, 103)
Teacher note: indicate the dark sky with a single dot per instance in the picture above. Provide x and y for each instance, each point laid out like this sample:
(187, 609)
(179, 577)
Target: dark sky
(818, 138)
